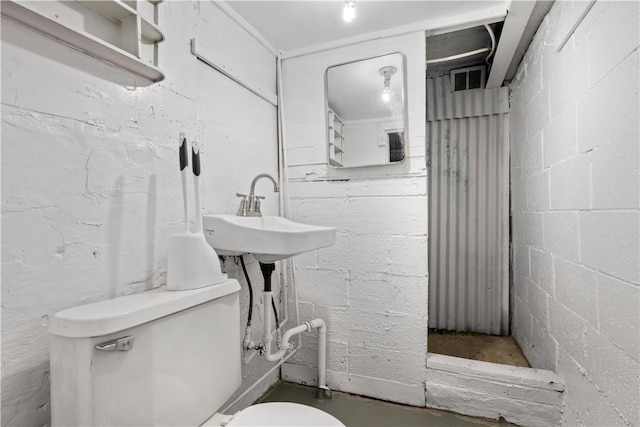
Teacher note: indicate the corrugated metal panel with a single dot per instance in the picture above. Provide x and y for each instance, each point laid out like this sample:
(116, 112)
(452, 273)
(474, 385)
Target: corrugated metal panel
(468, 224)
(444, 104)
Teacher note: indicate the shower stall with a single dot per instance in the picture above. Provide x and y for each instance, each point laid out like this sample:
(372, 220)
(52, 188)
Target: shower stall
(468, 175)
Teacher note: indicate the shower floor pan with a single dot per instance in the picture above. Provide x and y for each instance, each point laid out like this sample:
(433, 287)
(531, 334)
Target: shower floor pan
(483, 347)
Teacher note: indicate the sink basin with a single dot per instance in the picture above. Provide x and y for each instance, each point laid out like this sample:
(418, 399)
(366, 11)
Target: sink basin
(268, 238)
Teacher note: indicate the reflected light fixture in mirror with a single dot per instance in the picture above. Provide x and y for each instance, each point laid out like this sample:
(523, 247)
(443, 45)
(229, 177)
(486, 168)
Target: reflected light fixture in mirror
(387, 72)
(349, 10)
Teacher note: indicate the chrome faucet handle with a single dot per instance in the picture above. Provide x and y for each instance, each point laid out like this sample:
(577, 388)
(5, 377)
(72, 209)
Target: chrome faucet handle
(254, 205)
(242, 209)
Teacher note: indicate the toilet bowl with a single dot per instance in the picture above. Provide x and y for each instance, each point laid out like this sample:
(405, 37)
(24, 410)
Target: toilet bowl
(276, 414)
(157, 358)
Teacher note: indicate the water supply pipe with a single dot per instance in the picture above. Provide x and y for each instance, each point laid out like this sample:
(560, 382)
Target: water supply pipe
(493, 43)
(458, 56)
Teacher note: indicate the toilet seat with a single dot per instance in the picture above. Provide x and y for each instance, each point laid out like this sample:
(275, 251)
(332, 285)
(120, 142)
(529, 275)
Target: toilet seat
(283, 414)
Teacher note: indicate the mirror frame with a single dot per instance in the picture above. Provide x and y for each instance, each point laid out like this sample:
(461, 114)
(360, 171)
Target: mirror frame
(405, 107)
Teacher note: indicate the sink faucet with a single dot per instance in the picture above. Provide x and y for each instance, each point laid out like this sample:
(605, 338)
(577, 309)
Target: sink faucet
(250, 205)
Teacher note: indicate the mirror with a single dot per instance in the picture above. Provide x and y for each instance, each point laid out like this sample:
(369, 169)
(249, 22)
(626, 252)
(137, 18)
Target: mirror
(366, 112)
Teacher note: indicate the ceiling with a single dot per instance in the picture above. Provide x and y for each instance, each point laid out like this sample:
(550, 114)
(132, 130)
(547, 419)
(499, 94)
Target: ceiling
(355, 89)
(290, 25)
(456, 42)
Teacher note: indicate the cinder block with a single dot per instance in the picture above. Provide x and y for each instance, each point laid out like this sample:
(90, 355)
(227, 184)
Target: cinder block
(565, 77)
(522, 323)
(537, 113)
(337, 354)
(399, 255)
(610, 110)
(538, 192)
(478, 396)
(532, 85)
(306, 173)
(554, 62)
(305, 155)
(323, 286)
(568, 330)
(608, 48)
(328, 212)
(543, 348)
(307, 259)
(376, 329)
(609, 243)
(517, 125)
(406, 367)
(591, 404)
(521, 259)
(575, 288)
(378, 292)
(518, 192)
(517, 226)
(336, 319)
(580, 48)
(538, 304)
(619, 312)
(559, 138)
(521, 285)
(615, 174)
(380, 216)
(532, 155)
(533, 229)
(616, 374)
(561, 234)
(307, 310)
(542, 270)
(377, 187)
(581, 33)
(570, 187)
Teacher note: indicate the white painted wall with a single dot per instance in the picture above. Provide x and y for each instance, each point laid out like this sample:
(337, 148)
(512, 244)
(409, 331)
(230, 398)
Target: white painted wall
(371, 287)
(90, 182)
(366, 142)
(576, 219)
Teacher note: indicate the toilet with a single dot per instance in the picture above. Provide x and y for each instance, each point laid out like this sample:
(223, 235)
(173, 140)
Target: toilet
(158, 358)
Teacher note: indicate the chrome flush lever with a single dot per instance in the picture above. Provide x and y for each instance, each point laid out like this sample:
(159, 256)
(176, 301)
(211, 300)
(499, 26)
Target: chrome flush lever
(120, 344)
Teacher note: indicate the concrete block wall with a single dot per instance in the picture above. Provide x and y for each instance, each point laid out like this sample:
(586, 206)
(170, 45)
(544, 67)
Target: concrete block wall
(575, 201)
(90, 182)
(371, 286)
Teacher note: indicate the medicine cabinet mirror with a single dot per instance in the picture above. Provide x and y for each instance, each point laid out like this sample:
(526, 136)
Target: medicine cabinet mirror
(366, 112)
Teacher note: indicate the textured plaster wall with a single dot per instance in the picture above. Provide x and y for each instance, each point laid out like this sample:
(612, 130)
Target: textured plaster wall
(90, 182)
(371, 286)
(575, 197)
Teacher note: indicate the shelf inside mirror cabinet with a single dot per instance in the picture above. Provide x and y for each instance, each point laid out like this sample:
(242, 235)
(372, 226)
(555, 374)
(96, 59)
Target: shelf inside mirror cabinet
(123, 33)
(336, 139)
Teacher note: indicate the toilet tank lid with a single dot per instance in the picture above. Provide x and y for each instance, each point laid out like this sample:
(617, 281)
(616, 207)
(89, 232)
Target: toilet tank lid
(114, 315)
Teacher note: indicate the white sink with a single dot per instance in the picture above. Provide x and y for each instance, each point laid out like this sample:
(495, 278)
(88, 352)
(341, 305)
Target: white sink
(268, 238)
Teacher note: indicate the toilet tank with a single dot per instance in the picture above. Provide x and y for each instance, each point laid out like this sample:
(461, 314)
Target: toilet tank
(183, 364)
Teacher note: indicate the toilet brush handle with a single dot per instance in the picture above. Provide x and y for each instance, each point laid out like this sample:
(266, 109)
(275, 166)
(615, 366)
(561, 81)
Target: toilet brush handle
(183, 152)
(195, 163)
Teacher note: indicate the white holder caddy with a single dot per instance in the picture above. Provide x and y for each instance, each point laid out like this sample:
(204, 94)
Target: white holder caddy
(193, 263)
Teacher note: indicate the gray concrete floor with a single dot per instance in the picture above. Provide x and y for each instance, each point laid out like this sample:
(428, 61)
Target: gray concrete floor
(354, 410)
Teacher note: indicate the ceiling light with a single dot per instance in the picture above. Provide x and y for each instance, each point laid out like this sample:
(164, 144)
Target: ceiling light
(386, 94)
(349, 11)
(387, 72)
